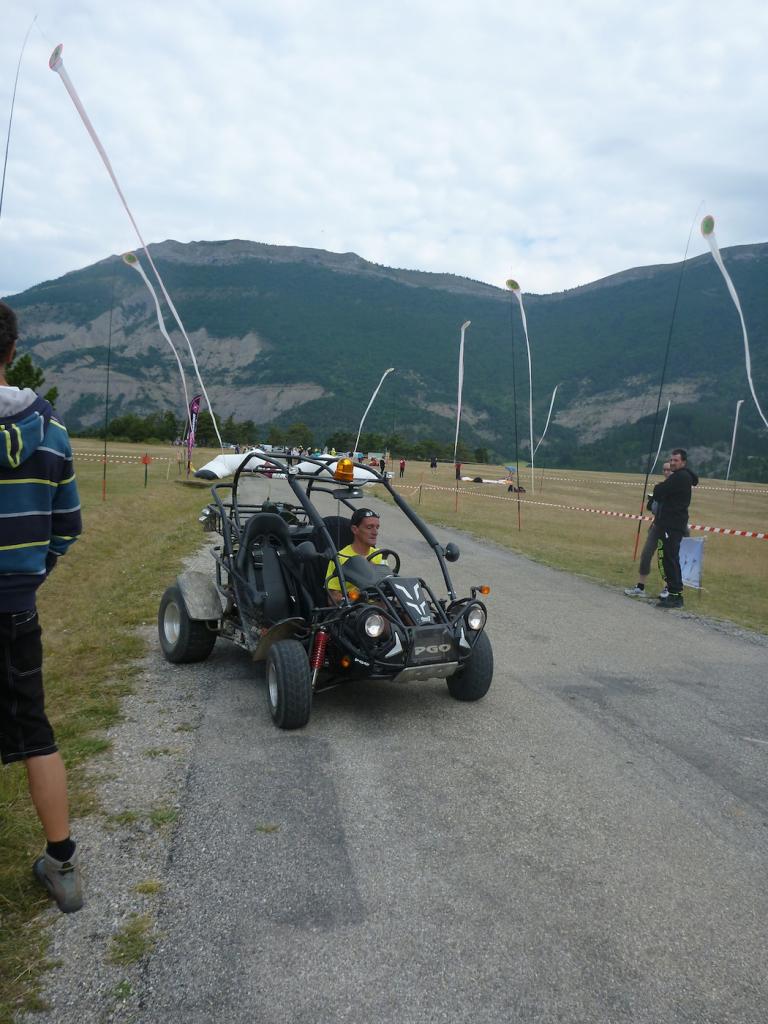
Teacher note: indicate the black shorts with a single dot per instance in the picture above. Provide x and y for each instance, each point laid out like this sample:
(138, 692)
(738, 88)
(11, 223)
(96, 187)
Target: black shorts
(24, 728)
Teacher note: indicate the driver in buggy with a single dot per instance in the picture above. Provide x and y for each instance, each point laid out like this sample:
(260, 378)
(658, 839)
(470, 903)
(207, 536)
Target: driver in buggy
(365, 525)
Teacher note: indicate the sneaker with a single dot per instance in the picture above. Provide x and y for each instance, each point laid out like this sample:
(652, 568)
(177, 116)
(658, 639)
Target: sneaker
(664, 594)
(671, 601)
(62, 880)
(634, 591)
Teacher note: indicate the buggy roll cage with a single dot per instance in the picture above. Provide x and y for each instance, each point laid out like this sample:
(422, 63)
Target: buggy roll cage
(315, 479)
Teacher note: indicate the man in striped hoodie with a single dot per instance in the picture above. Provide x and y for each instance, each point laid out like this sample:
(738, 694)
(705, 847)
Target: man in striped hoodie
(39, 520)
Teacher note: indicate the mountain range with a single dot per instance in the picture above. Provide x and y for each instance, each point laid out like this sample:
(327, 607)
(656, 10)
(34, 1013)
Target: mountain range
(285, 334)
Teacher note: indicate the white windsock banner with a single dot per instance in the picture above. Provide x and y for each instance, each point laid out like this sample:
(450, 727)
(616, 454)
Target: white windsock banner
(733, 437)
(57, 64)
(464, 327)
(132, 260)
(708, 231)
(549, 416)
(368, 407)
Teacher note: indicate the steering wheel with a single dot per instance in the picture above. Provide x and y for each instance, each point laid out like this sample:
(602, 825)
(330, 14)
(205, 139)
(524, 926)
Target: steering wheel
(385, 553)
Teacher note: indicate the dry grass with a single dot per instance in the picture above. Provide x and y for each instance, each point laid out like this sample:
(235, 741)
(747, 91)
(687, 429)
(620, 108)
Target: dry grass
(107, 585)
(600, 547)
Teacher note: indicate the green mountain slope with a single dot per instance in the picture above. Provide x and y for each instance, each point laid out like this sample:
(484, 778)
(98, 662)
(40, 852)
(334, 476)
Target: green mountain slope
(285, 334)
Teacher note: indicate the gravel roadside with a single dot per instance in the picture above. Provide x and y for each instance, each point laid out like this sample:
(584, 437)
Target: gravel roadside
(98, 953)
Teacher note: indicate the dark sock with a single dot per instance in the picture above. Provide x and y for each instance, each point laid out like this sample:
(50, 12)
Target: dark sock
(641, 586)
(62, 850)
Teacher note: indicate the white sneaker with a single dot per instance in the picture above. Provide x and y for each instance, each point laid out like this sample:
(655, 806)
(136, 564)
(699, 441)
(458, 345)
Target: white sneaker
(634, 591)
(664, 594)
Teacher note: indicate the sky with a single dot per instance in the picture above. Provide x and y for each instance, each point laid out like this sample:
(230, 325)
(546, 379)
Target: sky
(553, 143)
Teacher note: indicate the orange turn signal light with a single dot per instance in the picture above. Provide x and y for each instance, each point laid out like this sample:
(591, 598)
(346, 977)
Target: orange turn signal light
(345, 471)
(484, 590)
(353, 594)
(345, 661)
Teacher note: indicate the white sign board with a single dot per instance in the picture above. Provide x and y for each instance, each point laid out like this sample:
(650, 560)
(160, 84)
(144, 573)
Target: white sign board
(691, 560)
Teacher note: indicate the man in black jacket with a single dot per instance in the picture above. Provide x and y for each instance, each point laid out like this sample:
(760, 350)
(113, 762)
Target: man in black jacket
(674, 497)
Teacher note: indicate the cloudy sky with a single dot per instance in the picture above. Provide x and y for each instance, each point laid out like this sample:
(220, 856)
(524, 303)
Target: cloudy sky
(553, 142)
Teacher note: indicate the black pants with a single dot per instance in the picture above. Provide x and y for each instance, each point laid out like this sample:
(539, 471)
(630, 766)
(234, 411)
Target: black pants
(24, 727)
(670, 556)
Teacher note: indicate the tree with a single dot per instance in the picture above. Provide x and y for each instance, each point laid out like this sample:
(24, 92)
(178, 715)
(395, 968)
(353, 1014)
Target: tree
(275, 436)
(24, 374)
(298, 435)
(340, 440)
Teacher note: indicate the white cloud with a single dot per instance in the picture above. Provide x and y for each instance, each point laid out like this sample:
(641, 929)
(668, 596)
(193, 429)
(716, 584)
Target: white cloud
(560, 142)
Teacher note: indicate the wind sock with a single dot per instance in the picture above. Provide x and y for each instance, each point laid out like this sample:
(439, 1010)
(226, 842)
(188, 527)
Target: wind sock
(661, 440)
(708, 231)
(464, 327)
(514, 287)
(546, 425)
(373, 398)
(733, 438)
(131, 260)
(57, 64)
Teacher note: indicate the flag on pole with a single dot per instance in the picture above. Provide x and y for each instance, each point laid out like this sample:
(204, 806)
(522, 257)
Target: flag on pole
(194, 409)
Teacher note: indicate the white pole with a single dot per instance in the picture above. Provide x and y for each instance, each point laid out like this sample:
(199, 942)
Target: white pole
(464, 327)
(373, 397)
(515, 289)
(661, 440)
(733, 439)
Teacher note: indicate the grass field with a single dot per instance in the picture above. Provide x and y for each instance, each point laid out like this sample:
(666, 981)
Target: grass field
(112, 579)
(735, 569)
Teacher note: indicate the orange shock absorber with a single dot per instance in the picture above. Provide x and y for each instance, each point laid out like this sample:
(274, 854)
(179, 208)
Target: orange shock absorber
(317, 657)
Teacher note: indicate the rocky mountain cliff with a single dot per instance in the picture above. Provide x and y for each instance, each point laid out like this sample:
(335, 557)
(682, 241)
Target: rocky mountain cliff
(285, 334)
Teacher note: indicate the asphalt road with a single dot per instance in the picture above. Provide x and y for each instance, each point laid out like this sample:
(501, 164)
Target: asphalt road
(588, 843)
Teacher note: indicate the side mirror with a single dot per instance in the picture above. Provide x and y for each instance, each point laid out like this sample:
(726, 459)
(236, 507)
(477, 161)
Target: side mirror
(451, 552)
(209, 519)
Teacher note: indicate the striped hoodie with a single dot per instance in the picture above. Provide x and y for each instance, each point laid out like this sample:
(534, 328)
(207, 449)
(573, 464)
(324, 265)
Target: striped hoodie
(39, 503)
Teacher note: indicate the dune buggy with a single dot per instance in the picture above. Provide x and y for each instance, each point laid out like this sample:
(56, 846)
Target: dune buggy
(268, 595)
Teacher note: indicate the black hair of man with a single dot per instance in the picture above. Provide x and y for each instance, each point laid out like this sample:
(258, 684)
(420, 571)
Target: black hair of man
(9, 331)
(681, 452)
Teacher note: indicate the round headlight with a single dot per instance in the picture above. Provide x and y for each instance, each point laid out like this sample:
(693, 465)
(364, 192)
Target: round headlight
(374, 625)
(476, 618)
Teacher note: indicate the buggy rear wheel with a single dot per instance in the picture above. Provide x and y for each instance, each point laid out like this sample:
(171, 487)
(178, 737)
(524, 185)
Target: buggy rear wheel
(289, 684)
(474, 680)
(182, 640)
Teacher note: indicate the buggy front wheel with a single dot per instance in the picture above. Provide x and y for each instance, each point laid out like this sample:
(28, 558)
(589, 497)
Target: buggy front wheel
(473, 680)
(182, 640)
(289, 684)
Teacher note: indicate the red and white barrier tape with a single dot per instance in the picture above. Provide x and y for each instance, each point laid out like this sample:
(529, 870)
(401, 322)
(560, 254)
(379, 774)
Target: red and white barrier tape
(99, 456)
(724, 531)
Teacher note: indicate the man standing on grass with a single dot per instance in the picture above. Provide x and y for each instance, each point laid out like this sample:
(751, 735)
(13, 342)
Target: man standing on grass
(674, 498)
(39, 520)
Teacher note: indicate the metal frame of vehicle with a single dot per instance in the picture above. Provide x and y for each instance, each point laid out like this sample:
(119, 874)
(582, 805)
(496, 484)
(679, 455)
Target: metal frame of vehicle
(384, 626)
